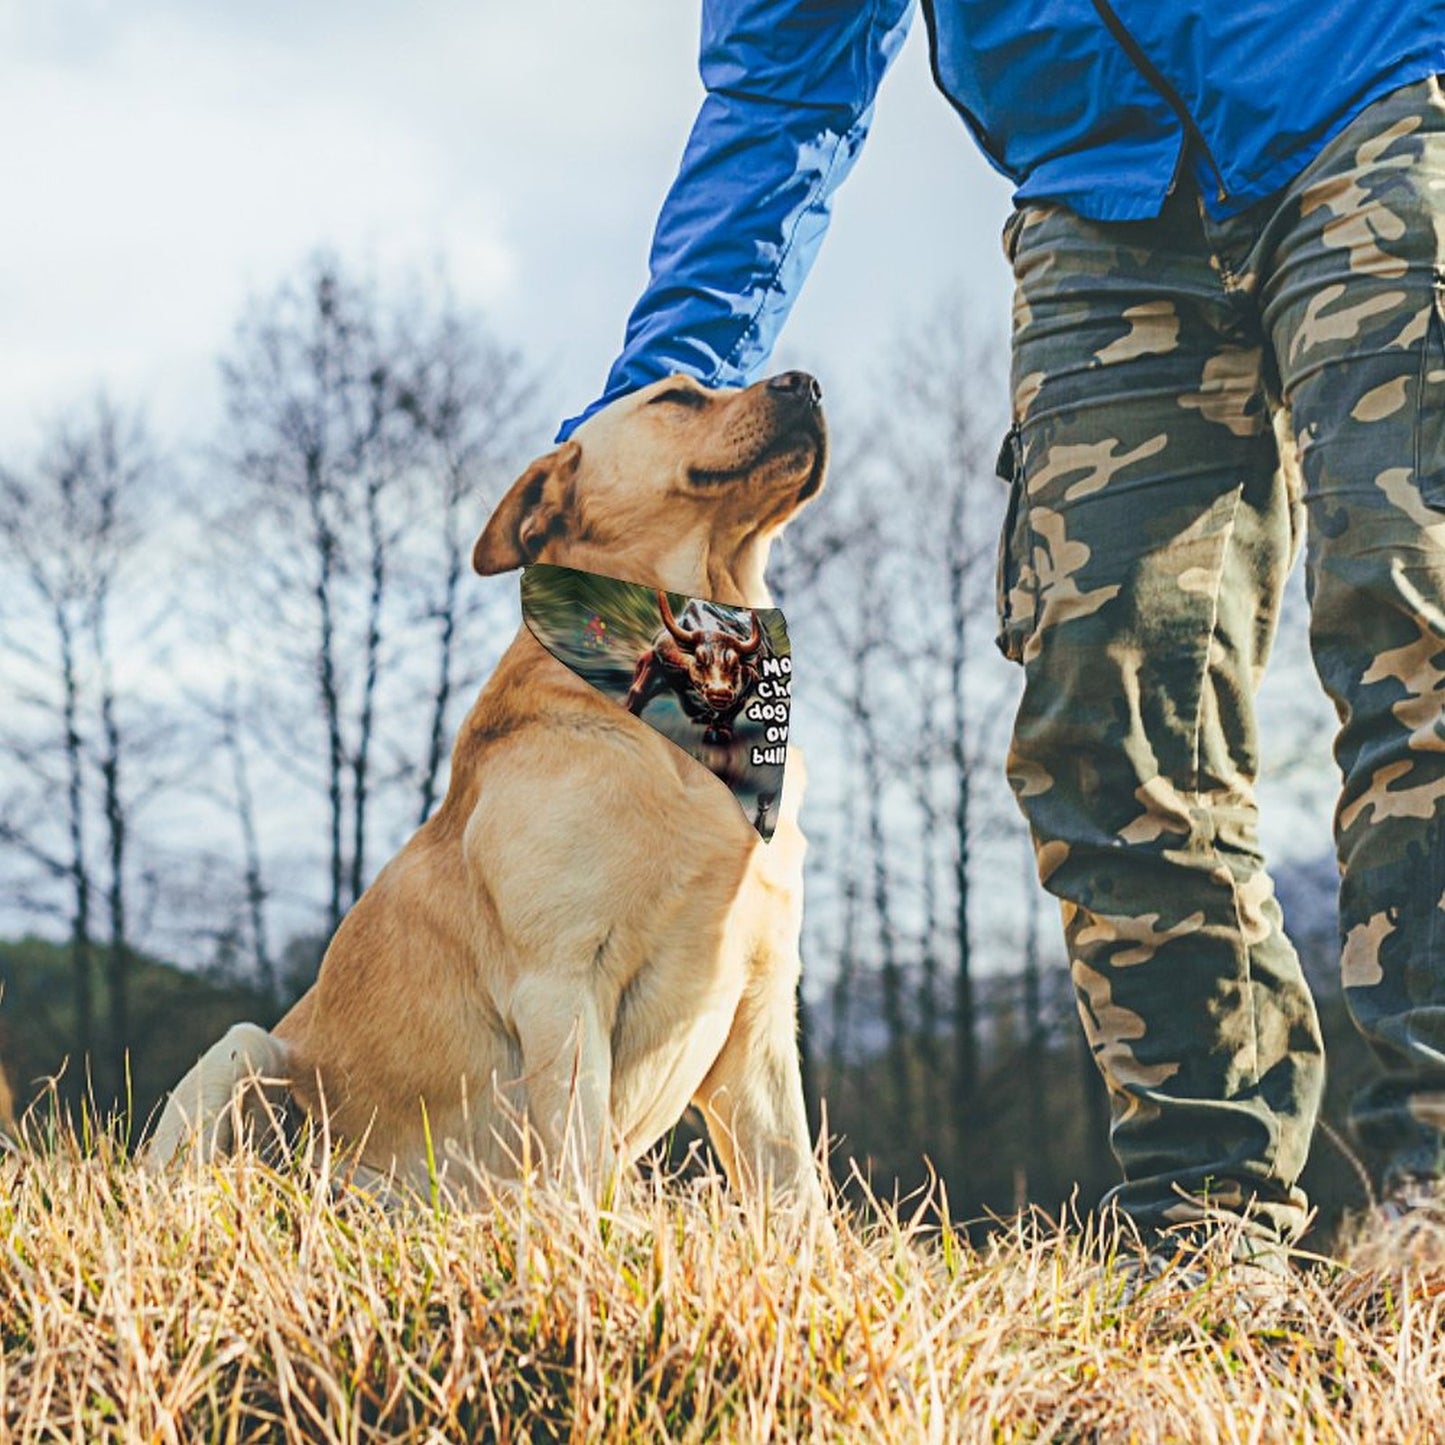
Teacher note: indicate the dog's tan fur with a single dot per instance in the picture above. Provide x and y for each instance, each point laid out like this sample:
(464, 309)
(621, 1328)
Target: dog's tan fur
(588, 934)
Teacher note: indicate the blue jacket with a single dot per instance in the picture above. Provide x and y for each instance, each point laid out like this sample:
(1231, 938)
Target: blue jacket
(1097, 104)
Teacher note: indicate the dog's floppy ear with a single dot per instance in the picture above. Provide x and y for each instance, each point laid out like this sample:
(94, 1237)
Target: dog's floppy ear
(533, 510)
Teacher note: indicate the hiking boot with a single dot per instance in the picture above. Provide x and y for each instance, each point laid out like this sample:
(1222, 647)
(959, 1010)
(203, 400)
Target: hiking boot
(1243, 1277)
(1156, 1275)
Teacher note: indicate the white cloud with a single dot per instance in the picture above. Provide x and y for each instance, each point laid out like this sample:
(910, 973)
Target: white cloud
(177, 157)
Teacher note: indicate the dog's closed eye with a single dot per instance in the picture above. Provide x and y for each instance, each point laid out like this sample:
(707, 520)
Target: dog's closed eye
(679, 396)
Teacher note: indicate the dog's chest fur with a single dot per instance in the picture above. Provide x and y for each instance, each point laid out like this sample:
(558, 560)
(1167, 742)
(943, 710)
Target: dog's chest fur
(686, 981)
(637, 880)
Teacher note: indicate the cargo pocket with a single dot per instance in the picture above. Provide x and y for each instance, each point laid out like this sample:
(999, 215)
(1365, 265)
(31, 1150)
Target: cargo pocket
(1015, 583)
(1430, 410)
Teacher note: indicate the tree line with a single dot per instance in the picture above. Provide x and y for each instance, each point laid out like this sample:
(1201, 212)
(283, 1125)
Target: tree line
(232, 671)
(232, 674)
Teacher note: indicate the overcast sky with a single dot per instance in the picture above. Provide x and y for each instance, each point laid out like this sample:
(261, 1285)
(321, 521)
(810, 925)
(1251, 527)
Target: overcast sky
(165, 158)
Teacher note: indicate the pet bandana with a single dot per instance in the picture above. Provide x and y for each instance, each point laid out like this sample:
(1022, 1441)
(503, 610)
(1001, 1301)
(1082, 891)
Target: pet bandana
(712, 678)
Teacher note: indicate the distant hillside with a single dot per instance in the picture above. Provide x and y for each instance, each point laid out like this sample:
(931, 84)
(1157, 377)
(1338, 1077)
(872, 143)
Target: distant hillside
(174, 1015)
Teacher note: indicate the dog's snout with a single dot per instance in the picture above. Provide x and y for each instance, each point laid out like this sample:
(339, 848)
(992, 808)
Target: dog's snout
(799, 385)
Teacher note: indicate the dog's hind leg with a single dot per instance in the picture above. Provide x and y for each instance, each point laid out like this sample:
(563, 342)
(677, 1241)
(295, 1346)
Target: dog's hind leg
(210, 1105)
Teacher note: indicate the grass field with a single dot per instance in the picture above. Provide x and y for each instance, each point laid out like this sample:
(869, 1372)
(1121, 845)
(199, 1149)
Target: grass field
(244, 1303)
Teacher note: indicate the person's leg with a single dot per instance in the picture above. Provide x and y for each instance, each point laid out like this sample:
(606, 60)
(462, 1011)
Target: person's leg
(1141, 588)
(1355, 305)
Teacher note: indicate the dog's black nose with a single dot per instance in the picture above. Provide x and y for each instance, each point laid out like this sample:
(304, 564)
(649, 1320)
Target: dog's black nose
(797, 384)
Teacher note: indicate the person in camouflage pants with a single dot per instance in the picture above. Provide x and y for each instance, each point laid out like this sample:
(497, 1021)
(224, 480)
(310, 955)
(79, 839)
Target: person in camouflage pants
(1150, 533)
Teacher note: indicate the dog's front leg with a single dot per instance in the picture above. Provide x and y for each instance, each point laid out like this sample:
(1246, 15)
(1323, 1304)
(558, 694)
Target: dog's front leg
(752, 1099)
(567, 1057)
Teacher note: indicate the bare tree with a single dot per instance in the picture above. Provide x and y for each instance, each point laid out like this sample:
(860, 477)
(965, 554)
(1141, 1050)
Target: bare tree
(70, 526)
(846, 963)
(941, 440)
(472, 401)
(901, 570)
(868, 639)
(930, 837)
(839, 561)
(366, 434)
(308, 392)
(119, 462)
(256, 892)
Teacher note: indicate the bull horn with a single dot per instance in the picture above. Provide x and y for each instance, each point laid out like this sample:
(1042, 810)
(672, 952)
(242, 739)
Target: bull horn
(746, 649)
(680, 635)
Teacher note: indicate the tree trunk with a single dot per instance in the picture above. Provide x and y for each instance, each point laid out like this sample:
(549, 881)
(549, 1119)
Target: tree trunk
(255, 883)
(80, 947)
(361, 761)
(928, 971)
(1039, 1146)
(118, 955)
(842, 992)
(325, 543)
(894, 1008)
(965, 1028)
(441, 699)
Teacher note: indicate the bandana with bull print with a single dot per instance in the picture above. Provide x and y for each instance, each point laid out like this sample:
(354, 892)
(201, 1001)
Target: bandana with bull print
(712, 678)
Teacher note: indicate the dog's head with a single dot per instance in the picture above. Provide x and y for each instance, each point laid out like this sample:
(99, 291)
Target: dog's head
(674, 486)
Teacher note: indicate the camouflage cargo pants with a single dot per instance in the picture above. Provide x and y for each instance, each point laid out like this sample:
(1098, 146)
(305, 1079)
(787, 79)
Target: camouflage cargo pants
(1150, 534)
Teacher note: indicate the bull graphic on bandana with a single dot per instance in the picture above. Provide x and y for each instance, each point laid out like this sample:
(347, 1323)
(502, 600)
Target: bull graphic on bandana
(713, 678)
(708, 666)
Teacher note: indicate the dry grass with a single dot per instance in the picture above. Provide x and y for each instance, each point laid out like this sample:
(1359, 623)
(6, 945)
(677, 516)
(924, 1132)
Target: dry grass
(243, 1303)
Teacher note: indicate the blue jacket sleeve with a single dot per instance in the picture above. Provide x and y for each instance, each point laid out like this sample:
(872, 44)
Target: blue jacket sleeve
(790, 89)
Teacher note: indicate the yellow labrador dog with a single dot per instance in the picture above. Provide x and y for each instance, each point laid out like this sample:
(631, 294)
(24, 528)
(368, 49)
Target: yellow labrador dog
(588, 935)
